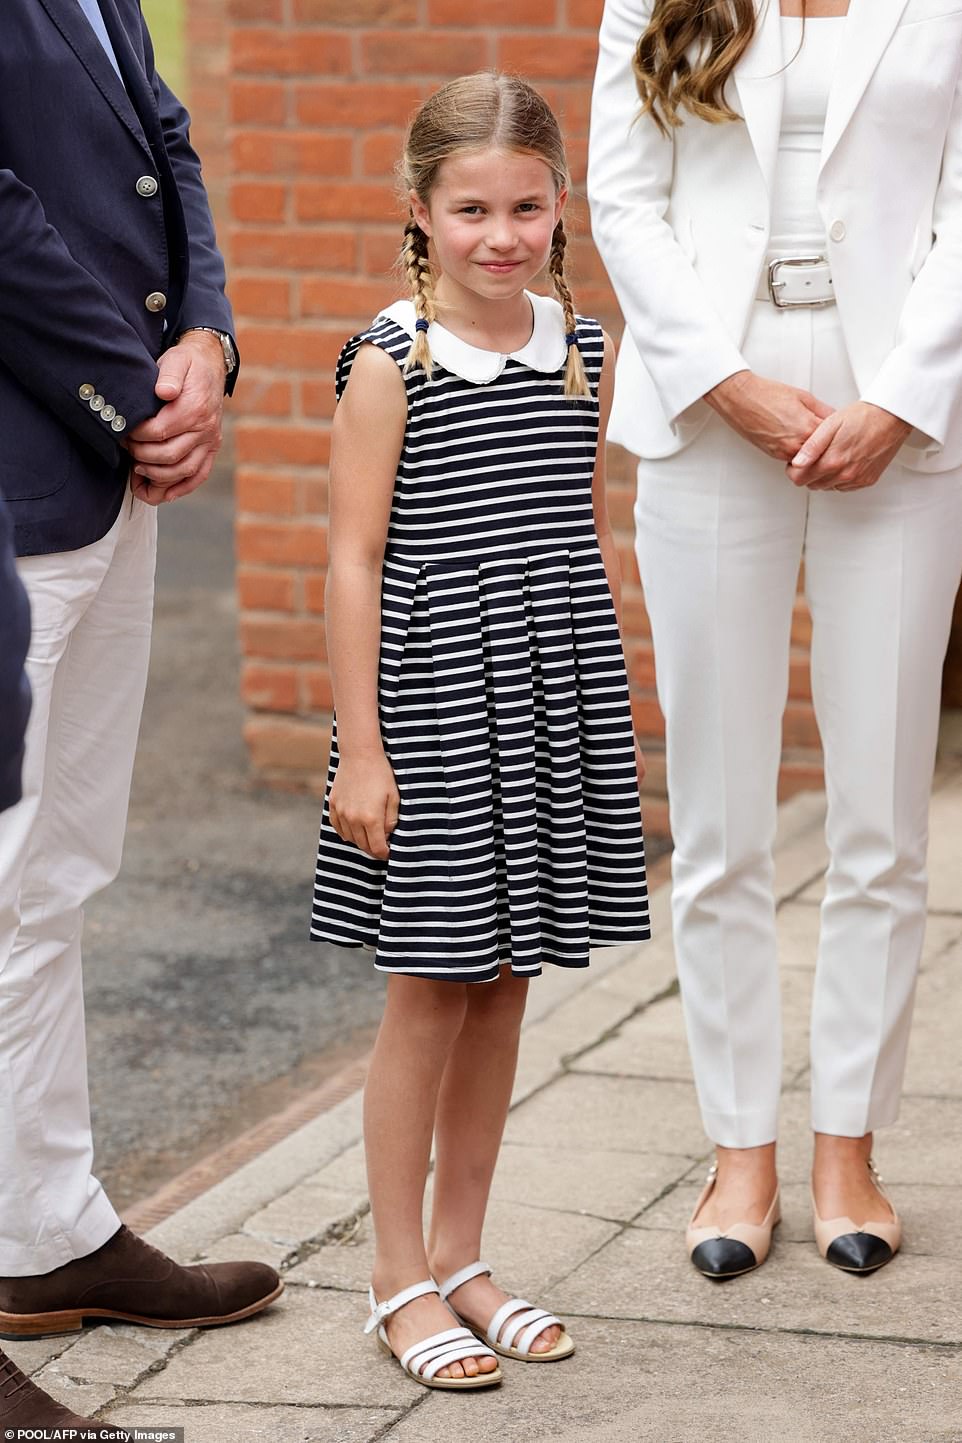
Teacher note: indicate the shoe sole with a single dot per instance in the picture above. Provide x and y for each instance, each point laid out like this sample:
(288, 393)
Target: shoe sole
(723, 1277)
(14, 1326)
(564, 1348)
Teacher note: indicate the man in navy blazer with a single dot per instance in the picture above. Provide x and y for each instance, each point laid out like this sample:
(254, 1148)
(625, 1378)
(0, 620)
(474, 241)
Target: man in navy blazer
(115, 354)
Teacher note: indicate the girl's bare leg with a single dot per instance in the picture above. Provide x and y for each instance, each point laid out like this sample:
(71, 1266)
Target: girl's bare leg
(421, 1024)
(472, 1108)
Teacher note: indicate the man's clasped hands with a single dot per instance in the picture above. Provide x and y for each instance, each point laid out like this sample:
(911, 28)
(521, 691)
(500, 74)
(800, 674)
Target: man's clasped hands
(824, 449)
(173, 452)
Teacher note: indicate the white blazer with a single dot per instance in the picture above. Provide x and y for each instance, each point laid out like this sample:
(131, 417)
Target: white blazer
(682, 223)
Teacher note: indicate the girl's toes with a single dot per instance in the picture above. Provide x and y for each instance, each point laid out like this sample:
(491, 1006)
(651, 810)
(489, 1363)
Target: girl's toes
(488, 1364)
(545, 1341)
(455, 1371)
(471, 1367)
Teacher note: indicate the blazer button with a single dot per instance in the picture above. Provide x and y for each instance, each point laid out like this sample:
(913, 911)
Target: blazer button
(86, 391)
(837, 230)
(147, 186)
(96, 403)
(118, 423)
(108, 413)
(156, 301)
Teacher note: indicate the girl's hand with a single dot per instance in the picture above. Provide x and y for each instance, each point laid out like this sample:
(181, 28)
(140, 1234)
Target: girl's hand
(849, 450)
(776, 418)
(364, 803)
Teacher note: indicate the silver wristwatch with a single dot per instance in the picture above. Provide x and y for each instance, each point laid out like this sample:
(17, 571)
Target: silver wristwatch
(227, 345)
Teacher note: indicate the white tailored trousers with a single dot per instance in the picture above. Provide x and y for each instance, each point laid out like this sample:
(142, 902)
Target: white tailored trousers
(720, 534)
(91, 618)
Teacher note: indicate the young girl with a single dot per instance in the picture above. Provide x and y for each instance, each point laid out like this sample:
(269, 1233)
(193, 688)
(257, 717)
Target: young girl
(482, 813)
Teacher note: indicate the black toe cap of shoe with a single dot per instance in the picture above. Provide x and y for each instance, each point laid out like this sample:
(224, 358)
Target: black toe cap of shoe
(723, 1258)
(859, 1252)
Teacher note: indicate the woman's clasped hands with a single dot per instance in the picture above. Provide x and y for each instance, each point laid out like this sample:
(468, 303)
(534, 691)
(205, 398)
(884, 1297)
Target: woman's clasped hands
(824, 449)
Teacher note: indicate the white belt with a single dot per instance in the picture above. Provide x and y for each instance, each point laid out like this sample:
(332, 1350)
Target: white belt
(791, 281)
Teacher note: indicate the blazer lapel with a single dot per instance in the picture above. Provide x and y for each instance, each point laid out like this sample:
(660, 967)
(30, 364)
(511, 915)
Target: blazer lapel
(76, 30)
(868, 29)
(760, 83)
(132, 68)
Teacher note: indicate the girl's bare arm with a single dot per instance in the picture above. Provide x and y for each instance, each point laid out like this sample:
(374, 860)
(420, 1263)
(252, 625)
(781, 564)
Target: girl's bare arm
(366, 443)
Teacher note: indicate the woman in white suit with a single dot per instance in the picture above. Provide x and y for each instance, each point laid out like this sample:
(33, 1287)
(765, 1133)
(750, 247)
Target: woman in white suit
(777, 196)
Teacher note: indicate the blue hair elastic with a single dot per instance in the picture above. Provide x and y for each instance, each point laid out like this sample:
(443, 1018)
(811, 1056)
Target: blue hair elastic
(571, 339)
(420, 325)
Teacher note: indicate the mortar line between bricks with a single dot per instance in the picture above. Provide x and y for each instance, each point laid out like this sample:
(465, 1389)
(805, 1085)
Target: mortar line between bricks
(950, 1346)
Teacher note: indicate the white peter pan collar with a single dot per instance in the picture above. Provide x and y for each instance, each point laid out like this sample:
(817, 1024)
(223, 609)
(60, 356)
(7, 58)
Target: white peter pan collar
(544, 351)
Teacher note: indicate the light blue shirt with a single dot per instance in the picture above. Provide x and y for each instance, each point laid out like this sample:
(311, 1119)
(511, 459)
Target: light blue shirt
(92, 11)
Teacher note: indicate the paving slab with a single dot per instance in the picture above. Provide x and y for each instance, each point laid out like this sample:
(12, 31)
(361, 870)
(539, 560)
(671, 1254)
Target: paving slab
(616, 1114)
(240, 1423)
(116, 1353)
(639, 1383)
(653, 1044)
(607, 1185)
(935, 1051)
(529, 1247)
(945, 847)
(32, 1354)
(800, 850)
(306, 1212)
(307, 1351)
(638, 1275)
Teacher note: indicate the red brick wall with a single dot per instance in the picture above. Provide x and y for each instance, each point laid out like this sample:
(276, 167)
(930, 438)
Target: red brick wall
(320, 91)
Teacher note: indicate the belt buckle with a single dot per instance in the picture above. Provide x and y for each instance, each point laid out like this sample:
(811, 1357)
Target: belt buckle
(775, 285)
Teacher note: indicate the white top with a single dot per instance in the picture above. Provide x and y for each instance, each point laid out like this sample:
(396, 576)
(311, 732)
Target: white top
(810, 59)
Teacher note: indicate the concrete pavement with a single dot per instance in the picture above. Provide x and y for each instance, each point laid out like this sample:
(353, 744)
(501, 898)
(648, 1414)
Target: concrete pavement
(603, 1158)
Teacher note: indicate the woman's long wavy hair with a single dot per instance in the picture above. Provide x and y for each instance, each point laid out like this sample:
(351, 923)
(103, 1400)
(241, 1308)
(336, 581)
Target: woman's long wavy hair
(686, 56)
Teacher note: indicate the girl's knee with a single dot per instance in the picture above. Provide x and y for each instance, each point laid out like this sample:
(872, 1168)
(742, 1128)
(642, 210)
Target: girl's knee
(431, 1009)
(506, 997)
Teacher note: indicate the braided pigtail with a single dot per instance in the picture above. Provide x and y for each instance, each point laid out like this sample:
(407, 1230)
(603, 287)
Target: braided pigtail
(576, 380)
(414, 258)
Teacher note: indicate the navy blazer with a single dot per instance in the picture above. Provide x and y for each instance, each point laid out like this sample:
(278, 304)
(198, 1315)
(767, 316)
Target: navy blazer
(14, 691)
(107, 253)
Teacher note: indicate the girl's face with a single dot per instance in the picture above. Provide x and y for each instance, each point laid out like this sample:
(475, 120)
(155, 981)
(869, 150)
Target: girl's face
(491, 215)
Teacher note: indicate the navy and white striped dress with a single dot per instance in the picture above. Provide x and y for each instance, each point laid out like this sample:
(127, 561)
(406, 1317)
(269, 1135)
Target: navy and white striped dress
(502, 692)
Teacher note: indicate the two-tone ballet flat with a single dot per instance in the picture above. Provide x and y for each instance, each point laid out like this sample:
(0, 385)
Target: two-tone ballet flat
(737, 1250)
(856, 1248)
(515, 1325)
(425, 1359)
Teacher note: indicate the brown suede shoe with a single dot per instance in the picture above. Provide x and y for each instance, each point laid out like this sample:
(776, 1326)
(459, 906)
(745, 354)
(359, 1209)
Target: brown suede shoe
(129, 1281)
(24, 1406)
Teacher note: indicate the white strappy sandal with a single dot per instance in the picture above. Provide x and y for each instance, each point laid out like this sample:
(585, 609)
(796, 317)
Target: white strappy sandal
(425, 1359)
(526, 1323)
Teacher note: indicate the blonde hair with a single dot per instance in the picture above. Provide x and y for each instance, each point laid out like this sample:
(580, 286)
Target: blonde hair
(717, 33)
(471, 114)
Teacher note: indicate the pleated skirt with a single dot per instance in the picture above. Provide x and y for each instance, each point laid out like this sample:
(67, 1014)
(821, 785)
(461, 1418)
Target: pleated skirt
(505, 715)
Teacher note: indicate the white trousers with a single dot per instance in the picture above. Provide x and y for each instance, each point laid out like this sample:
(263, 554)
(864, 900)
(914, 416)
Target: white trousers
(720, 533)
(91, 612)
